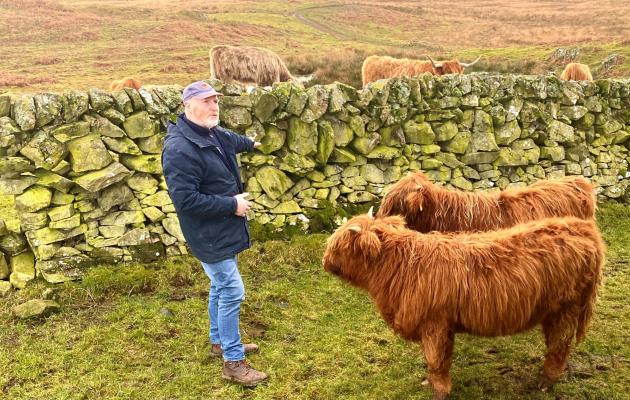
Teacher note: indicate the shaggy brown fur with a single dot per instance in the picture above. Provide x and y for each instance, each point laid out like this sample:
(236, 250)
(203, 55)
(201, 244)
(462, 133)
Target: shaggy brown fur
(428, 207)
(383, 67)
(247, 65)
(428, 287)
(576, 72)
(125, 83)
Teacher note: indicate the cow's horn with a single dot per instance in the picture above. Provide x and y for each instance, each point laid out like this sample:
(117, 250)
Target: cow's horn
(435, 65)
(355, 228)
(371, 212)
(470, 64)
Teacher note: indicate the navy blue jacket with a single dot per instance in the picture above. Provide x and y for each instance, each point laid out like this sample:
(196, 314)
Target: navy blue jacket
(202, 183)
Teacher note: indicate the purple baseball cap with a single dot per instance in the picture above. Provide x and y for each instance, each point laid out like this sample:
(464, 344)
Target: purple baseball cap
(199, 89)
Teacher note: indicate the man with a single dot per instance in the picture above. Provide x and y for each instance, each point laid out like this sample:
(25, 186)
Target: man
(203, 179)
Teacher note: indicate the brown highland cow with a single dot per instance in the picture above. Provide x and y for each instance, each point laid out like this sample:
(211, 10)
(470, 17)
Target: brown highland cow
(125, 83)
(428, 287)
(245, 64)
(428, 207)
(384, 67)
(576, 72)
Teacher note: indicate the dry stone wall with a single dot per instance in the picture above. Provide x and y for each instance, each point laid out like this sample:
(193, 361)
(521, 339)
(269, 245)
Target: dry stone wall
(80, 172)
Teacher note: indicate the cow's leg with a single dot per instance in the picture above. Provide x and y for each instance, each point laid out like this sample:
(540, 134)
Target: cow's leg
(437, 343)
(559, 330)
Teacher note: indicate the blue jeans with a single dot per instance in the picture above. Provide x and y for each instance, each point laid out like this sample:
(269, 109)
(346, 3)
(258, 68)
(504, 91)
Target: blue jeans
(224, 307)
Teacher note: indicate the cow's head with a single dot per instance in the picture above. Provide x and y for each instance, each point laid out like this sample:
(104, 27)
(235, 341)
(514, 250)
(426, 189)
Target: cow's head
(452, 66)
(353, 249)
(406, 197)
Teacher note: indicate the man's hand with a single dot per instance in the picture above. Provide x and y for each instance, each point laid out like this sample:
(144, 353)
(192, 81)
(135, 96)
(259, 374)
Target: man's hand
(242, 205)
(257, 144)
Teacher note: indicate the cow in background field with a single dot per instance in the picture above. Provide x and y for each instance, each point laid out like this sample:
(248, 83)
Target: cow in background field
(125, 83)
(428, 287)
(384, 67)
(428, 207)
(253, 65)
(576, 72)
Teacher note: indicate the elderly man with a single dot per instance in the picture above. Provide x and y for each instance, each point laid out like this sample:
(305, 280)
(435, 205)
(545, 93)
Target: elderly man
(203, 179)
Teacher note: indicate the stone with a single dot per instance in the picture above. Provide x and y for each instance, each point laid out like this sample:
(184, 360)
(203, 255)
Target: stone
(36, 308)
(33, 199)
(14, 166)
(171, 225)
(445, 131)
(61, 212)
(381, 152)
(302, 137)
(507, 133)
(325, 141)
(31, 221)
(151, 144)
(53, 181)
(16, 186)
(44, 151)
(143, 183)
(22, 269)
(560, 132)
(104, 128)
(371, 173)
(4, 267)
(361, 197)
(265, 106)
(139, 125)
(68, 223)
(114, 195)
(273, 139)
(485, 157)
(47, 235)
(555, 153)
(273, 181)
(67, 132)
(151, 164)
(75, 104)
(123, 218)
(462, 183)
(98, 180)
(24, 112)
(159, 199)
(317, 103)
(287, 207)
(366, 144)
(5, 288)
(342, 133)
(418, 133)
(88, 153)
(509, 157)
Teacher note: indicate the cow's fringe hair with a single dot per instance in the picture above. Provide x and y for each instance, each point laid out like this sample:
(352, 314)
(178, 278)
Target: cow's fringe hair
(428, 207)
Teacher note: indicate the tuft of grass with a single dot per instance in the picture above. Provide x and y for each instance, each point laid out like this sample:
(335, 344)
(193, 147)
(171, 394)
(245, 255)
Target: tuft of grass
(319, 337)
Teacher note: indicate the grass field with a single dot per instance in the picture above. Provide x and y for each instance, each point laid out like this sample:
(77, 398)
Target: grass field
(50, 45)
(319, 338)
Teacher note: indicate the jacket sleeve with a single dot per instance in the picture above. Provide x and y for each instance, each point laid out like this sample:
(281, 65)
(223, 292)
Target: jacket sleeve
(241, 143)
(183, 177)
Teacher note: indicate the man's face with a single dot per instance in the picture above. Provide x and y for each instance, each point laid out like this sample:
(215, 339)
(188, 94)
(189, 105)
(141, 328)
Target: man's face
(204, 112)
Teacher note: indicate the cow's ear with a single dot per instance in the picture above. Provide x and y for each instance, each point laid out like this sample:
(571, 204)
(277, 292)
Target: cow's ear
(369, 244)
(414, 201)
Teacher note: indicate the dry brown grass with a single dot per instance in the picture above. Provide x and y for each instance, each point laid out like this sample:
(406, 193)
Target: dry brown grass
(88, 43)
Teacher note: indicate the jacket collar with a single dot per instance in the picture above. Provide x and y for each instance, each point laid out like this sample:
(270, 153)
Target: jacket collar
(196, 138)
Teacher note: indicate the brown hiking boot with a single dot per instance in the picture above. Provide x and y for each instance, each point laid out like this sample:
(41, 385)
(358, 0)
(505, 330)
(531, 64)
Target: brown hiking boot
(241, 372)
(216, 351)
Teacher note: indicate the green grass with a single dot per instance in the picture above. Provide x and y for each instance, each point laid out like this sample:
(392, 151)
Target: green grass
(319, 338)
